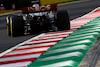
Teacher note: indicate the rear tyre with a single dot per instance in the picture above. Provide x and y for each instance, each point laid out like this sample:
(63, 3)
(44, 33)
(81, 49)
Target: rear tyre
(8, 26)
(16, 25)
(63, 22)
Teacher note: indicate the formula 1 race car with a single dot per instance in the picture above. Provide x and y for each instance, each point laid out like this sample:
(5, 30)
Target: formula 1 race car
(37, 19)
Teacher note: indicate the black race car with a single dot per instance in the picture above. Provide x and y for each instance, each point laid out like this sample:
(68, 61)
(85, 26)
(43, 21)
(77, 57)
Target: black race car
(37, 19)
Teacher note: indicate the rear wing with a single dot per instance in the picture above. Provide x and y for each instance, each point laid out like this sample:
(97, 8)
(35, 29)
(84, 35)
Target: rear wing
(42, 8)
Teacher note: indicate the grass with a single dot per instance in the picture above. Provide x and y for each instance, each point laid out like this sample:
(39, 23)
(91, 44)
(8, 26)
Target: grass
(5, 11)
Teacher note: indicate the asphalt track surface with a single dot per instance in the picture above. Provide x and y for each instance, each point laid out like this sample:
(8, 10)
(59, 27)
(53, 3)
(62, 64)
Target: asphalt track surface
(75, 10)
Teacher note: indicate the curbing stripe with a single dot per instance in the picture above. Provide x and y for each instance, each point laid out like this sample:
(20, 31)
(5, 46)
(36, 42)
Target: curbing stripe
(21, 64)
(9, 50)
(32, 49)
(38, 45)
(22, 54)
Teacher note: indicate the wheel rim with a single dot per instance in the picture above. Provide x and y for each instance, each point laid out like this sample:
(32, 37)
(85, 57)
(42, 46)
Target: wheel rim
(11, 26)
(8, 26)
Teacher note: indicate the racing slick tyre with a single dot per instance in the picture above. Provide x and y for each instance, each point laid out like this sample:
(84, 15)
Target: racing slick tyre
(16, 25)
(8, 26)
(63, 22)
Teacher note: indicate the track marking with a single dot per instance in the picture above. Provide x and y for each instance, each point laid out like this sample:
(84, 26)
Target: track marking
(83, 47)
(59, 64)
(60, 56)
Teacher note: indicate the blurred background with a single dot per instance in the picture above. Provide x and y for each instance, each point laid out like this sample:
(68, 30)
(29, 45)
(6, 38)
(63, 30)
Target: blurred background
(17, 4)
(8, 4)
